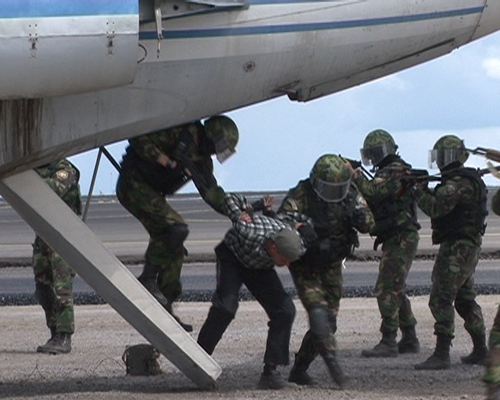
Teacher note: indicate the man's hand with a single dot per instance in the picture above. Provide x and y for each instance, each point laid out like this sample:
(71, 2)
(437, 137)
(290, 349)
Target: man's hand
(245, 217)
(165, 161)
(308, 234)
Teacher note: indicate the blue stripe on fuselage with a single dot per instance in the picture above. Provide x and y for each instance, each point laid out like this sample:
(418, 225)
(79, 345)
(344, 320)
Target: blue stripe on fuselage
(66, 8)
(313, 26)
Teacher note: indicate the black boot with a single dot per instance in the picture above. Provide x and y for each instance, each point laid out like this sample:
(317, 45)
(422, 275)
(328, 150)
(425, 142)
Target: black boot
(298, 373)
(186, 327)
(148, 278)
(441, 357)
(59, 343)
(334, 368)
(479, 352)
(409, 342)
(386, 348)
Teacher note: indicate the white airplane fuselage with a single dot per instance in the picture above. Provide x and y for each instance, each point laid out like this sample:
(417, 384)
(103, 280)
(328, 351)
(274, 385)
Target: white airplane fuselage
(92, 73)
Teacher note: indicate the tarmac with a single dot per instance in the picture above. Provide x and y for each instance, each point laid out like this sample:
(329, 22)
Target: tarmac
(94, 369)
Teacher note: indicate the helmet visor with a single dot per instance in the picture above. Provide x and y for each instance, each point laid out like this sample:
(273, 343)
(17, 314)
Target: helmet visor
(331, 192)
(440, 158)
(222, 149)
(374, 154)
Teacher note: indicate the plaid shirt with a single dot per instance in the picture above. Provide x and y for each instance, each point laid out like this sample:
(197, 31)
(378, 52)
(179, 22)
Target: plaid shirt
(246, 240)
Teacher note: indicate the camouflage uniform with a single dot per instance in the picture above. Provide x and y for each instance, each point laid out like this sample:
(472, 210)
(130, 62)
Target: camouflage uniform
(53, 276)
(396, 228)
(143, 185)
(318, 275)
(492, 373)
(457, 207)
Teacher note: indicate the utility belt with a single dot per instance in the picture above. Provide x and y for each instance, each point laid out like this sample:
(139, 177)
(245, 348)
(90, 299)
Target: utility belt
(330, 250)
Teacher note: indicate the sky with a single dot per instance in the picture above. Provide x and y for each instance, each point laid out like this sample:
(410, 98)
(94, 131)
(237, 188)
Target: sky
(280, 140)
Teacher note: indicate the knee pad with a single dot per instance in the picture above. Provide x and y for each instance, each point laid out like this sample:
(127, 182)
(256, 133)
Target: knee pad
(174, 236)
(319, 323)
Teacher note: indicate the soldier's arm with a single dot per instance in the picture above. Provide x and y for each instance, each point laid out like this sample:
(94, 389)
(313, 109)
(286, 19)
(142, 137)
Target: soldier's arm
(377, 189)
(208, 188)
(146, 146)
(293, 206)
(443, 199)
(362, 218)
(62, 178)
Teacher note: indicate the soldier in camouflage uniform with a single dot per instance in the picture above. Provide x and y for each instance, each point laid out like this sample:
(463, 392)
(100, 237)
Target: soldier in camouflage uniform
(53, 276)
(396, 228)
(457, 207)
(158, 164)
(335, 210)
(492, 373)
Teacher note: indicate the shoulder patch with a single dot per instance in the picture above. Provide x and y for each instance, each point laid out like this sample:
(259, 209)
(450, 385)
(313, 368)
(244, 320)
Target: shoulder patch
(378, 180)
(62, 175)
(450, 188)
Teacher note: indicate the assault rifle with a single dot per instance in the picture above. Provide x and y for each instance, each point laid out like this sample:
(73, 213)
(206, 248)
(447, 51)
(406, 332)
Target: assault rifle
(490, 154)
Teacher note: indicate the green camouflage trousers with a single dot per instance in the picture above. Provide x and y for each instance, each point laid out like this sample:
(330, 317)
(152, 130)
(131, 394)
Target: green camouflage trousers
(156, 215)
(453, 284)
(397, 255)
(492, 373)
(319, 289)
(54, 281)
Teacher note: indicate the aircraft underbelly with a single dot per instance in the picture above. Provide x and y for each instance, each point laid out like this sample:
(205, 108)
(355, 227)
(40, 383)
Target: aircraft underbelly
(216, 62)
(64, 55)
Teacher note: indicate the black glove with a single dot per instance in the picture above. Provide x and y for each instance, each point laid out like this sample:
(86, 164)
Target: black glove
(307, 233)
(358, 217)
(354, 163)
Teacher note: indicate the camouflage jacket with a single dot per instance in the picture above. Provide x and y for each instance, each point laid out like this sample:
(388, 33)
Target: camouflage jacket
(389, 198)
(336, 223)
(457, 207)
(190, 140)
(62, 176)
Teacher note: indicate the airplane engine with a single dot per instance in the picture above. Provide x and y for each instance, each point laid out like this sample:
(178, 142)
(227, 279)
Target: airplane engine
(58, 50)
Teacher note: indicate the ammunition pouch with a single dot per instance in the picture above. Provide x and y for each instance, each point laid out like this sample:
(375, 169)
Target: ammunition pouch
(141, 359)
(330, 250)
(164, 180)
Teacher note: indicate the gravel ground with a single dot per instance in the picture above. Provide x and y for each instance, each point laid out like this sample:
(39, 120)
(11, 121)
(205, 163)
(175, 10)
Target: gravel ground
(94, 369)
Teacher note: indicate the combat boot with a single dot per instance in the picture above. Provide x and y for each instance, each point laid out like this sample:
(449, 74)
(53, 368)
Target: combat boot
(441, 357)
(186, 327)
(479, 352)
(409, 342)
(148, 278)
(59, 343)
(493, 391)
(334, 368)
(386, 348)
(298, 373)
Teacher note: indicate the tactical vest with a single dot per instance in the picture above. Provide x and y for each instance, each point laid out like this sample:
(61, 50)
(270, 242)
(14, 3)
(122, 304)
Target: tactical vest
(388, 210)
(467, 219)
(161, 179)
(332, 247)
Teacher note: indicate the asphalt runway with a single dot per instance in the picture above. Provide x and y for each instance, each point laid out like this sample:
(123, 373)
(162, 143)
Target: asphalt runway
(125, 237)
